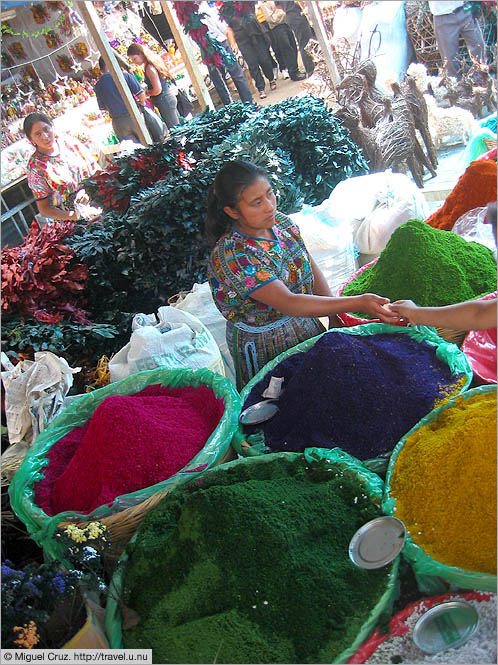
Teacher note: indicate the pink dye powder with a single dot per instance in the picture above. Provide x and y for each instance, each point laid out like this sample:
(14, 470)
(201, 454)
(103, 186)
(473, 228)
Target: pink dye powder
(131, 442)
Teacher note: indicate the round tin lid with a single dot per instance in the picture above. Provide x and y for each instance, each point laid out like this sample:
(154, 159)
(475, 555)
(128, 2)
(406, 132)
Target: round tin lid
(258, 413)
(377, 542)
(445, 626)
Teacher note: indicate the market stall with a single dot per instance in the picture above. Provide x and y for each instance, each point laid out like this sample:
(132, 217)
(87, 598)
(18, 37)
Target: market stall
(130, 456)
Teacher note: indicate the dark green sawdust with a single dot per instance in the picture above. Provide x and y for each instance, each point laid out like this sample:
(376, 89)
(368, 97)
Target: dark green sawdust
(252, 566)
(430, 266)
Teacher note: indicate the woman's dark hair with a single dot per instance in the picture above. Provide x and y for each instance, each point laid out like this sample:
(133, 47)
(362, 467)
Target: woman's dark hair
(229, 183)
(31, 119)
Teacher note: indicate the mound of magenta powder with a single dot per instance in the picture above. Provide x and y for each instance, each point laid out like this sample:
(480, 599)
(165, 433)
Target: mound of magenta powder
(130, 442)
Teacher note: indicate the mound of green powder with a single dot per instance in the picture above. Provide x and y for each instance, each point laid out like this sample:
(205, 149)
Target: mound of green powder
(429, 266)
(250, 565)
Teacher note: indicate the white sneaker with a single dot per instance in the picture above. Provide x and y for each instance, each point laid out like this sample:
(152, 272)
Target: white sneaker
(285, 74)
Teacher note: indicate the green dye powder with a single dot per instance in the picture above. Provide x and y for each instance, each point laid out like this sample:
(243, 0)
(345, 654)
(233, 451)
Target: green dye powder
(252, 566)
(429, 266)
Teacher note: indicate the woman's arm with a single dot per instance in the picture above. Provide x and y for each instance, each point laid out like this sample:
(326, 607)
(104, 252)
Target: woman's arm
(470, 315)
(155, 81)
(47, 210)
(277, 295)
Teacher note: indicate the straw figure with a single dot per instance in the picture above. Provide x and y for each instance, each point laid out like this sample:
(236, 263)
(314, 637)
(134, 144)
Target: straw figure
(417, 105)
(364, 137)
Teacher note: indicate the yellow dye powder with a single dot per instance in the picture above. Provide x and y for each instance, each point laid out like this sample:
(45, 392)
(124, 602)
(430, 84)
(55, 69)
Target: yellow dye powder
(444, 483)
(449, 391)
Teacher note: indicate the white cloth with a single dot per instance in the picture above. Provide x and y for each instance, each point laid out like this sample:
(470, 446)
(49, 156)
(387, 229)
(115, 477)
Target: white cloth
(216, 27)
(440, 7)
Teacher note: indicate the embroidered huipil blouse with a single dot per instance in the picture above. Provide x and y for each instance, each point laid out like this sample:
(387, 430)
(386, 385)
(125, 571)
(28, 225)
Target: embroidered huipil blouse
(240, 264)
(58, 176)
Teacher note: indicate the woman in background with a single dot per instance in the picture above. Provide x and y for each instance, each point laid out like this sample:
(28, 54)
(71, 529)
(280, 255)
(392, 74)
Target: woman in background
(158, 80)
(56, 168)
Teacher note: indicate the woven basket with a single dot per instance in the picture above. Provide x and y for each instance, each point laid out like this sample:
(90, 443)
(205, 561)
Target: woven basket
(424, 40)
(489, 142)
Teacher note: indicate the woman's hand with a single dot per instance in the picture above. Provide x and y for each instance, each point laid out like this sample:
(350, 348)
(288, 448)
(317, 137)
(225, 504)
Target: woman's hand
(405, 309)
(81, 197)
(373, 305)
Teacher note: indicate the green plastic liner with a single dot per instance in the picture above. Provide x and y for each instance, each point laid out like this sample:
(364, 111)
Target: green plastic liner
(429, 572)
(41, 526)
(371, 484)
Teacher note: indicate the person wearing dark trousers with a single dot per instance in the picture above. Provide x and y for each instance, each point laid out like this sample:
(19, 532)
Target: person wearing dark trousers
(109, 99)
(284, 41)
(298, 22)
(254, 44)
(219, 30)
(453, 19)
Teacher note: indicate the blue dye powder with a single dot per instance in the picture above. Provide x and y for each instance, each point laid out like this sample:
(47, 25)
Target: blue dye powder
(360, 393)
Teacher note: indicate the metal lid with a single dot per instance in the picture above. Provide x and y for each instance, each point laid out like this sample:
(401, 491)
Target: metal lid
(377, 542)
(258, 413)
(445, 626)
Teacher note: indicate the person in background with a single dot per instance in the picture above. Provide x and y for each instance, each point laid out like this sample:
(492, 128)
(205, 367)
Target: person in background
(454, 19)
(263, 280)
(221, 32)
(56, 168)
(267, 32)
(158, 80)
(284, 41)
(109, 99)
(298, 22)
(253, 44)
(469, 315)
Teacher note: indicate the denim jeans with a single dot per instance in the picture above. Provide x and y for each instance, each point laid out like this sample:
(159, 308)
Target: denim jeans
(238, 78)
(166, 104)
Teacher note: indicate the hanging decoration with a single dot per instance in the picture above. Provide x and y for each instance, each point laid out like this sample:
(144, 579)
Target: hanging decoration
(79, 51)
(65, 23)
(211, 51)
(65, 63)
(53, 40)
(238, 10)
(17, 50)
(6, 60)
(40, 13)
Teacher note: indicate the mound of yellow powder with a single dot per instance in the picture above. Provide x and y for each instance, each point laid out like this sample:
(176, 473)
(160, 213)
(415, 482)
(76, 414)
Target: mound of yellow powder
(444, 483)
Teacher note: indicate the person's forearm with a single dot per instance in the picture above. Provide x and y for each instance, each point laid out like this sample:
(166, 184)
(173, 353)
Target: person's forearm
(56, 213)
(474, 315)
(300, 304)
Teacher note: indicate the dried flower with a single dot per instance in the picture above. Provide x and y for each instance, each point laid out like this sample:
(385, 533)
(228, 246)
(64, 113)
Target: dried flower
(28, 636)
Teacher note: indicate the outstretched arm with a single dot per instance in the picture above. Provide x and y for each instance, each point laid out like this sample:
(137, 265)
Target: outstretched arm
(470, 315)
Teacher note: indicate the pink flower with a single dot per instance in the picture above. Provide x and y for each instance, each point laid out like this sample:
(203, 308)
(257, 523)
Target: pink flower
(249, 282)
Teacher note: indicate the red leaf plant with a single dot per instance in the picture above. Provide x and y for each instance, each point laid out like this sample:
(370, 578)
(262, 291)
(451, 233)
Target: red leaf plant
(41, 279)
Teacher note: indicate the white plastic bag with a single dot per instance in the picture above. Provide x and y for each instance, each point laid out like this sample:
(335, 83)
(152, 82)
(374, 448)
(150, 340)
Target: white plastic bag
(34, 394)
(199, 302)
(178, 340)
(375, 205)
(330, 243)
(472, 227)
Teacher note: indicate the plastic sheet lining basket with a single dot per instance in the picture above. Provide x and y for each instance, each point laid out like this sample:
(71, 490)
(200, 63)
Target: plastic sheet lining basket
(370, 483)
(453, 335)
(127, 511)
(423, 564)
(446, 352)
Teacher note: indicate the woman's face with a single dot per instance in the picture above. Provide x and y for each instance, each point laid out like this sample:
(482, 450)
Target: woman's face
(42, 136)
(255, 209)
(137, 59)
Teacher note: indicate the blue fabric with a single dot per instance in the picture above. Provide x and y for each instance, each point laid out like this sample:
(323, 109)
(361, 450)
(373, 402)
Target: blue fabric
(108, 96)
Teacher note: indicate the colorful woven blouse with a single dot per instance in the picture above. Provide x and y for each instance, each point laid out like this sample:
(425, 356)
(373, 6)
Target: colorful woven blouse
(58, 176)
(240, 264)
